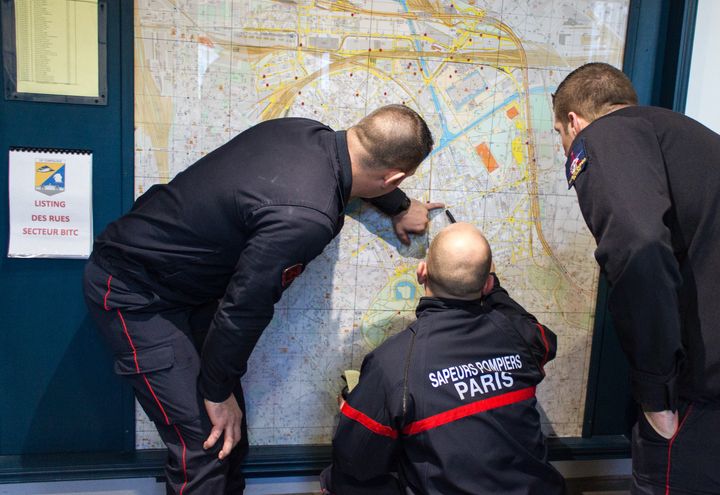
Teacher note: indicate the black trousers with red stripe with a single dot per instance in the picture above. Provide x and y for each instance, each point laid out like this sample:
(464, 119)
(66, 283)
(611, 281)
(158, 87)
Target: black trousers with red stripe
(688, 463)
(156, 347)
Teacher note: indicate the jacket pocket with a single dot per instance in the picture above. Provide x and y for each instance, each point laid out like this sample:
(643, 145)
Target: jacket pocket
(145, 360)
(165, 383)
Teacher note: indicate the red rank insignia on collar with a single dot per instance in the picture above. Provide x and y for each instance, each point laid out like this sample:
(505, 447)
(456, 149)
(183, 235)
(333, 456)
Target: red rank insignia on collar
(291, 273)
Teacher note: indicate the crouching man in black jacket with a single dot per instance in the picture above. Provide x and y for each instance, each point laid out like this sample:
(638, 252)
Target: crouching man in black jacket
(449, 403)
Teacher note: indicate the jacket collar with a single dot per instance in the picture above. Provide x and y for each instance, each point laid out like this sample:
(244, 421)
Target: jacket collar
(429, 305)
(345, 169)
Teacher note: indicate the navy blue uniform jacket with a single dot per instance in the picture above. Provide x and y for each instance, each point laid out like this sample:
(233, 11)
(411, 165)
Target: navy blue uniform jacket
(237, 226)
(649, 190)
(449, 403)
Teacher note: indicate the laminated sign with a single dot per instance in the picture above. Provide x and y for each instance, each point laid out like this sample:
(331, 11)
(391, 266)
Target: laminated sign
(50, 203)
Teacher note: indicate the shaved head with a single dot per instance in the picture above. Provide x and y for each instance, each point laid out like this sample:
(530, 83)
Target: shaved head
(393, 136)
(458, 262)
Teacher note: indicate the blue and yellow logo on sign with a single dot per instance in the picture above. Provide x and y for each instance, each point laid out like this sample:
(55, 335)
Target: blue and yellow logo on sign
(49, 177)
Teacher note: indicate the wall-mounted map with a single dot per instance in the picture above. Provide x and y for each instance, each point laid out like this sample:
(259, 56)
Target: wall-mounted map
(481, 74)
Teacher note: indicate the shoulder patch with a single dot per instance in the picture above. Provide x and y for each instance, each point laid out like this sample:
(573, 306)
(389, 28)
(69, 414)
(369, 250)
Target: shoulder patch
(576, 162)
(291, 273)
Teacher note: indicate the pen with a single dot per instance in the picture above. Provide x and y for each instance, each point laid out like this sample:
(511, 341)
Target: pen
(450, 216)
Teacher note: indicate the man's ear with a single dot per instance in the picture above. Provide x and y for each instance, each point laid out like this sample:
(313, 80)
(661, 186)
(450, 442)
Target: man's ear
(576, 123)
(393, 177)
(489, 285)
(422, 273)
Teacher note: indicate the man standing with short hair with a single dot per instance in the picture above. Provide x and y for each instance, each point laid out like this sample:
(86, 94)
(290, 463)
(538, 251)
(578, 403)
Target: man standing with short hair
(648, 184)
(184, 284)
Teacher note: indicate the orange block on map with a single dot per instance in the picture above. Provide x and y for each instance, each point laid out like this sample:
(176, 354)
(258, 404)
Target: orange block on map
(487, 158)
(512, 112)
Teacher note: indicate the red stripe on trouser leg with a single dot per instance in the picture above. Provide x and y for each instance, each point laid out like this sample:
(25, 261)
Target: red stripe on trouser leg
(107, 293)
(184, 463)
(138, 370)
(129, 339)
(157, 401)
(137, 367)
(670, 445)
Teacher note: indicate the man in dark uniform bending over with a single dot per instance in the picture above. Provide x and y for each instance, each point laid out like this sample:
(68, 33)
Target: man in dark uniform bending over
(449, 403)
(184, 284)
(648, 183)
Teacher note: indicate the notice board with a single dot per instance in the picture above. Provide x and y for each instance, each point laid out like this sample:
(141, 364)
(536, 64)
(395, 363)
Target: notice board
(59, 393)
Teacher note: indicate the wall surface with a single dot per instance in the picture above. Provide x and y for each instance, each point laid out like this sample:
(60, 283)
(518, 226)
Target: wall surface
(55, 370)
(703, 98)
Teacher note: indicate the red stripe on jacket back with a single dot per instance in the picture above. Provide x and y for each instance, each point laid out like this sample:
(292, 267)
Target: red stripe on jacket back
(468, 410)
